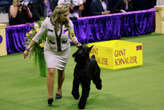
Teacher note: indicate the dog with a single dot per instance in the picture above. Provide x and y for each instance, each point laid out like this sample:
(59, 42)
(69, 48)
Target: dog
(86, 69)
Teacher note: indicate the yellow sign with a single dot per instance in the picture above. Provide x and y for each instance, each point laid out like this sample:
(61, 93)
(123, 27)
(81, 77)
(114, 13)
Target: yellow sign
(3, 50)
(117, 54)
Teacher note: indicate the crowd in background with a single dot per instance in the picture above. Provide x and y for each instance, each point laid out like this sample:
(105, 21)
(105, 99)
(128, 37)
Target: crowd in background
(23, 11)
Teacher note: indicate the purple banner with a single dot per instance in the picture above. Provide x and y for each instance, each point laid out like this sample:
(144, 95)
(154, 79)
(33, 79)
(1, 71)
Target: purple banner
(15, 37)
(114, 26)
(93, 29)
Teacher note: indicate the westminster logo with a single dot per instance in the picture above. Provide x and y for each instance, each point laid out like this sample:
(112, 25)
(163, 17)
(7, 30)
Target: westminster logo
(1, 39)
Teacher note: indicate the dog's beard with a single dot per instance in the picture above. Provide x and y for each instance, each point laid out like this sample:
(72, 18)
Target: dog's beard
(81, 60)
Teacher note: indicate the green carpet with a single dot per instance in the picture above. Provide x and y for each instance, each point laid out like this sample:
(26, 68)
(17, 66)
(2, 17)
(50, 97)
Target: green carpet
(138, 88)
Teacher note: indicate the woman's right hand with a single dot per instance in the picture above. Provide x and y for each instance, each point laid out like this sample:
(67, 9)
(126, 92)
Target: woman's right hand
(26, 52)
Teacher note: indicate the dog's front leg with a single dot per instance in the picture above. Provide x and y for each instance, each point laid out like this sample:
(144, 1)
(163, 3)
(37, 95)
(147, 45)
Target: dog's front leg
(85, 93)
(75, 89)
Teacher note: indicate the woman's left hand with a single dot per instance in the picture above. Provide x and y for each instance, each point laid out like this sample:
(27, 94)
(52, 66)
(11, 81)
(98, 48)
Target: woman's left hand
(26, 53)
(78, 44)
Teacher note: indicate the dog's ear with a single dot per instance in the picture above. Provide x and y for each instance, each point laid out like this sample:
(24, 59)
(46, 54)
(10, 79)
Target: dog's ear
(90, 48)
(82, 44)
(79, 46)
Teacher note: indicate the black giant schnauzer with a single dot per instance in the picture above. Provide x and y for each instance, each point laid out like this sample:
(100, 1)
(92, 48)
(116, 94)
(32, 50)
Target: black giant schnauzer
(86, 69)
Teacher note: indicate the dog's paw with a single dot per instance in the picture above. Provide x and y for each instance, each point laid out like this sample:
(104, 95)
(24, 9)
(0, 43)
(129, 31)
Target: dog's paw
(99, 87)
(81, 105)
(75, 95)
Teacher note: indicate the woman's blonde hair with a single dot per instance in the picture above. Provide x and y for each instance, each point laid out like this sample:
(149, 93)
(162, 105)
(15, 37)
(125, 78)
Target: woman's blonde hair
(15, 2)
(58, 11)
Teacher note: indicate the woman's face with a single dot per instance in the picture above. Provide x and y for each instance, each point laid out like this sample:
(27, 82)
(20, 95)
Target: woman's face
(18, 3)
(64, 16)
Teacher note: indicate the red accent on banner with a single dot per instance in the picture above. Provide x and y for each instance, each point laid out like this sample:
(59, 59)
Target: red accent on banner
(139, 47)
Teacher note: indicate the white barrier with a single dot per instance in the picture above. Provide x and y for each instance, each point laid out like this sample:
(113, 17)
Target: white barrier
(4, 18)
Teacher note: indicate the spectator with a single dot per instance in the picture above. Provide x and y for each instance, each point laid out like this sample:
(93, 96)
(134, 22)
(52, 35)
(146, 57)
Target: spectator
(158, 2)
(152, 3)
(53, 4)
(37, 9)
(99, 7)
(144, 4)
(47, 9)
(121, 6)
(86, 4)
(19, 13)
(75, 7)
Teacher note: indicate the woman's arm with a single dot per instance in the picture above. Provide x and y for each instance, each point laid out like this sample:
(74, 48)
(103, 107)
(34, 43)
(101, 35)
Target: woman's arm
(42, 29)
(76, 42)
(81, 7)
(74, 39)
(13, 11)
(28, 12)
(36, 38)
(26, 52)
(73, 36)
